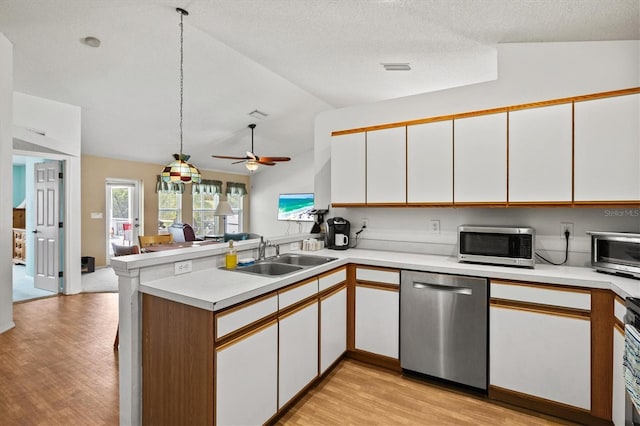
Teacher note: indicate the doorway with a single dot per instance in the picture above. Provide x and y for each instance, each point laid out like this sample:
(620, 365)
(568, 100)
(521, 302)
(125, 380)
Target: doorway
(123, 213)
(37, 252)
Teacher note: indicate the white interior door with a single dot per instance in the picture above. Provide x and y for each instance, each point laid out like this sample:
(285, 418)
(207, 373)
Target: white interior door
(123, 213)
(47, 249)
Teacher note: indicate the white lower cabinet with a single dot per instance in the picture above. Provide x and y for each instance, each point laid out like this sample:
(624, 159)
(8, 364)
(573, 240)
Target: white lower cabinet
(247, 378)
(541, 354)
(298, 351)
(333, 328)
(377, 320)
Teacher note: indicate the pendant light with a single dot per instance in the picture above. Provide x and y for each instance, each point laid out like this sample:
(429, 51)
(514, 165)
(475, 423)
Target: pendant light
(180, 170)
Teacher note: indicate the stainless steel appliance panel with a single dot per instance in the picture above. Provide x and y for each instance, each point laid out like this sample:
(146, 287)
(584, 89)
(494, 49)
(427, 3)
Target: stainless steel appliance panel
(616, 252)
(443, 326)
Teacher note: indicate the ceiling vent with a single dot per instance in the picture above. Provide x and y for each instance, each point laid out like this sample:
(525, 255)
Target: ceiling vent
(396, 66)
(258, 114)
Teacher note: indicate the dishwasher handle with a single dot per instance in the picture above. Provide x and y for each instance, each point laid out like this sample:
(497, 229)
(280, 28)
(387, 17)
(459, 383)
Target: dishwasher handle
(438, 287)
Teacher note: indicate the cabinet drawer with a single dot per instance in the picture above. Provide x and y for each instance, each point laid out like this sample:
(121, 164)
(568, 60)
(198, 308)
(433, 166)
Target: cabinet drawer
(297, 292)
(378, 276)
(576, 299)
(332, 278)
(245, 314)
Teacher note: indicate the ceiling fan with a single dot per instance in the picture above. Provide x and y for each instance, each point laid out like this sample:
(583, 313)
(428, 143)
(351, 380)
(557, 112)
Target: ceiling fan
(252, 161)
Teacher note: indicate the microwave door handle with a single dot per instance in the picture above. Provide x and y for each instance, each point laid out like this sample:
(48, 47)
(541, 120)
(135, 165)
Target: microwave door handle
(438, 287)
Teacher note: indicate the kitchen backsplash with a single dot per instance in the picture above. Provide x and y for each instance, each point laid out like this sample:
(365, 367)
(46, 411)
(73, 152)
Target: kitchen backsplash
(412, 230)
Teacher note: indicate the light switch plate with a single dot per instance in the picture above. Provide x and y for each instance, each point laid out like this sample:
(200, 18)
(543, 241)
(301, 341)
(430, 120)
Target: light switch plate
(96, 215)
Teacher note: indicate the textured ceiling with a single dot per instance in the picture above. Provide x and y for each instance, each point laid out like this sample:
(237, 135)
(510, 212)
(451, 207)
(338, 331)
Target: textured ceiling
(288, 58)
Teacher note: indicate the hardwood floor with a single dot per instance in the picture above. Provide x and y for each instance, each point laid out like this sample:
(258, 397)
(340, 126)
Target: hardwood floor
(58, 367)
(358, 394)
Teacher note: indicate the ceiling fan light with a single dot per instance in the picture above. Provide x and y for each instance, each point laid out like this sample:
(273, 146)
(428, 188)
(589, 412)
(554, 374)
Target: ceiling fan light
(252, 165)
(180, 170)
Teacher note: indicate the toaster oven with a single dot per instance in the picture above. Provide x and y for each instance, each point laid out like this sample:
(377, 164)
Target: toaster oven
(616, 253)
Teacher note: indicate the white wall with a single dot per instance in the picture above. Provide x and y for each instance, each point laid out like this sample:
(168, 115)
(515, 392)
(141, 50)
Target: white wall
(6, 177)
(294, 176)
(526, 73)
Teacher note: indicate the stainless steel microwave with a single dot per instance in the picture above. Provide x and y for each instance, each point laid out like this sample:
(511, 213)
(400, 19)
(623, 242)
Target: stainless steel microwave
(616, 253)
(511, 246)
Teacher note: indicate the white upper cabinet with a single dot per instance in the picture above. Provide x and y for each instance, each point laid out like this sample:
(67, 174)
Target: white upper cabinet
(540, 150)
(386, 166)
(607, 149)
(480, 159)
(348, 156)
(430, 163)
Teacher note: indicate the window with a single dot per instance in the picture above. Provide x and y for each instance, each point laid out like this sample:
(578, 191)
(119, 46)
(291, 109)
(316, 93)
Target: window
(234, 223)
(204, 222)
(169, 209)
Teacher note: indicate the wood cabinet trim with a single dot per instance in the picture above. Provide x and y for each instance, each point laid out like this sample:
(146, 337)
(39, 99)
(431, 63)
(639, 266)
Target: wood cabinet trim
(503, 204)
(377, 268)
(541, 309)
(619, 326)
(546, 286)
(245, 304)
(297, 307)
(538, 104)
(377, 286)
(546, 406)
(231, 339)
(325, 294)
(602, 323)
(331, 272)
(296, 285)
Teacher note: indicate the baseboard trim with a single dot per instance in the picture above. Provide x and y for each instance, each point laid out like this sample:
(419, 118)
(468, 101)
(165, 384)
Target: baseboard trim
(374, 359)
(546, 406)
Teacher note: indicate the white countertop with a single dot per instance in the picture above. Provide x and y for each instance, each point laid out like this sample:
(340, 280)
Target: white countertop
(214, 289)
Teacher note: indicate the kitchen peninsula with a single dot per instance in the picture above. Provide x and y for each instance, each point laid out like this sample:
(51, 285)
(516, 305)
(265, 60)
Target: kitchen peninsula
(210, 291)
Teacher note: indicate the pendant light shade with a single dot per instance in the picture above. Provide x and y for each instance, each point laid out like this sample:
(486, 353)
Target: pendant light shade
(180, 170)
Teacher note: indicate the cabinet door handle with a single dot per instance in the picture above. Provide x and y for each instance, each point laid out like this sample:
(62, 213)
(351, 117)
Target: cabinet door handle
(35, 231)
(437, 287)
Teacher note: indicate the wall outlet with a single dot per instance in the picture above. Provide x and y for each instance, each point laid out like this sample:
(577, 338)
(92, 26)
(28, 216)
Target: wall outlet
(365, 223)
(566, 226)
(182, 267)
(434, 226)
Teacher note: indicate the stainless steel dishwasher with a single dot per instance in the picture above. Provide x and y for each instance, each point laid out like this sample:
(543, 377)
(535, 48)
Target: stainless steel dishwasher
(443, 326)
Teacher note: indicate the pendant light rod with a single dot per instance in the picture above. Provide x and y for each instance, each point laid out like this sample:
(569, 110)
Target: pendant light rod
(182, 13)
(180, 170)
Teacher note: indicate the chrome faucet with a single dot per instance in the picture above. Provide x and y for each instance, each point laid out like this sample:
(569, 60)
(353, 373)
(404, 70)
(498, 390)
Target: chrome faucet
(262, 248)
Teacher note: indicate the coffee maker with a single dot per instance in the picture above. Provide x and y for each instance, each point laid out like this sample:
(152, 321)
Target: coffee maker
(338, 233)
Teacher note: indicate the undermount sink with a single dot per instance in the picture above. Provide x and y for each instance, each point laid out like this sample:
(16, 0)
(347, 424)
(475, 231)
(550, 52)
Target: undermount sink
(302, 259)
(269, 268)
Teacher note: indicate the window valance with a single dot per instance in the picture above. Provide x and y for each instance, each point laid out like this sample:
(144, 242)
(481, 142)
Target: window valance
(207, 187)
(174, 187)
(236, 188)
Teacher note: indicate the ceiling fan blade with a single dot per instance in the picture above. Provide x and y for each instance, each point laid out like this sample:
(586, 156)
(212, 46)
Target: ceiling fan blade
(266, 163)
(227, 157)
(271, 159)
(238, 162)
